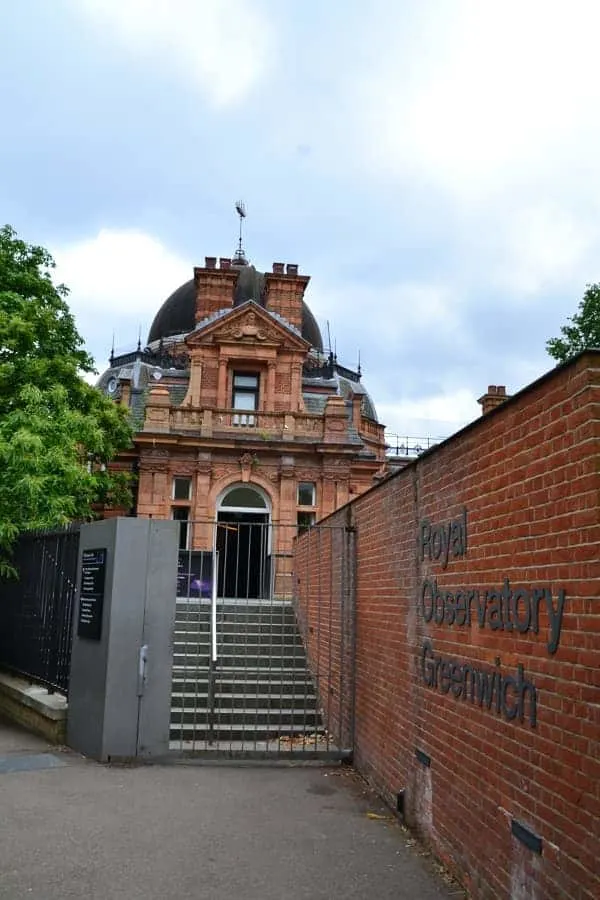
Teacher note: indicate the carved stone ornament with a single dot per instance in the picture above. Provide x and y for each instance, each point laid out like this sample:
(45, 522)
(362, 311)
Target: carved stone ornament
(184, 468)
(247, 462)
(307, 474)
(221, 471)
(154, 460)
(250, 328)
(155, 454)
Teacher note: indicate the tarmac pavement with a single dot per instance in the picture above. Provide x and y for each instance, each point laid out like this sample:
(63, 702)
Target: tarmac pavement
(72, 828)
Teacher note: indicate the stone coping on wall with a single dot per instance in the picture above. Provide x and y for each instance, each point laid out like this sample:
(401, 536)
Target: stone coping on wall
(34, 707)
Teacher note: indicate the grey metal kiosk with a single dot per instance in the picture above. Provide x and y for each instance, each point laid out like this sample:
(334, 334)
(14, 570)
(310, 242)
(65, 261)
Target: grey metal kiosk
(120, 682)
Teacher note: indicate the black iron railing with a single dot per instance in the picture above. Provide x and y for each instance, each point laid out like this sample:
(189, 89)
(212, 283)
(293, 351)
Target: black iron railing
(36, 607)
(399, 445)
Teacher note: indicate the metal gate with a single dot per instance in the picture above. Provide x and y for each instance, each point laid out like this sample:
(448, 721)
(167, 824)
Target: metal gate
(264, 641)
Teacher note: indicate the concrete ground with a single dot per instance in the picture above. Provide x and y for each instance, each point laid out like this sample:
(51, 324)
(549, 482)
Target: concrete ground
(71, 828)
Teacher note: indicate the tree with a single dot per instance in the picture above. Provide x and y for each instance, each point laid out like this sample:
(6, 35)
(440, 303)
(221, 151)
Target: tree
(57, 433)
(584, 330)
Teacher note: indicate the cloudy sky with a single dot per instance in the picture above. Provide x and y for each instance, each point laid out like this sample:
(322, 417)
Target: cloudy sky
(434, 165)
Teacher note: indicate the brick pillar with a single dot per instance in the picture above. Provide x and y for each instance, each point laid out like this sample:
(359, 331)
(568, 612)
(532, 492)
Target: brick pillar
(286, 531)
(214, 288)
(202, 515)
(157, 410)
(328, 493)
(296, 388)
(335, 424)
(192, 398)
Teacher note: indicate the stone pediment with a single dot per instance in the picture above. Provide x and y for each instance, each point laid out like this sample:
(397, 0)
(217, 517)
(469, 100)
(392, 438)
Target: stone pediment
(247, 324)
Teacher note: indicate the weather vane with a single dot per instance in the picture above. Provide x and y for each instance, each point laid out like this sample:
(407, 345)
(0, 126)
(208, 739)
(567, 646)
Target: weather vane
(240, 208)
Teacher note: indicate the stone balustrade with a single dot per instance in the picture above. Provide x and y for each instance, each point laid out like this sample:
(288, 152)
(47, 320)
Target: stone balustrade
(266, 425)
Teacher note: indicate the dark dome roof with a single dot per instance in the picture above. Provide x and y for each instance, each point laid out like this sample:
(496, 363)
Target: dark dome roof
(177, 314)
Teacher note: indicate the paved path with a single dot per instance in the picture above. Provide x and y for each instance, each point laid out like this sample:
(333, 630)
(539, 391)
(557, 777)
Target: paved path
(70, 828)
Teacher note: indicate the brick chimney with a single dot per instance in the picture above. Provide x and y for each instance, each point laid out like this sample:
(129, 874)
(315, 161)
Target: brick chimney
(496, 395)
(214, 286)
(284, 292)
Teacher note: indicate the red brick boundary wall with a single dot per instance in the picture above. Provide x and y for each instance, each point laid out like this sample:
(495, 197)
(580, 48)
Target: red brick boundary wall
(477, 670)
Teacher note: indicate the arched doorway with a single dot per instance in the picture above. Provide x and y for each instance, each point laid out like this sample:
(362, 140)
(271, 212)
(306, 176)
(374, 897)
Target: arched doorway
(243, 543)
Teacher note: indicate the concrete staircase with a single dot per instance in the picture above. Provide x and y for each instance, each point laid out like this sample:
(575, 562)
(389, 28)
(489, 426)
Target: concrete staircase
(258, 696)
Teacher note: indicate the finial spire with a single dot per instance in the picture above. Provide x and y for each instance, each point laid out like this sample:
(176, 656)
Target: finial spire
(358, 371)
(239, 255)
(111, 358)
(139, 343)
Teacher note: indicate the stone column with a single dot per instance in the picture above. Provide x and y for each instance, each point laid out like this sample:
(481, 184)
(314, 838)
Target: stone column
(222, 400)
(270, 398)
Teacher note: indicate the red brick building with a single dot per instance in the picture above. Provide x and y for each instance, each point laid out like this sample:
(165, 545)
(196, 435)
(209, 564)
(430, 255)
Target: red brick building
(242, 417)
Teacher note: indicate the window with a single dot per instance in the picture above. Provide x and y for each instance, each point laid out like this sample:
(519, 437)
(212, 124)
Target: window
(182, 488)
(305, 521)
(306, 494)
(245, 390)
(244, 498)
(182, 514)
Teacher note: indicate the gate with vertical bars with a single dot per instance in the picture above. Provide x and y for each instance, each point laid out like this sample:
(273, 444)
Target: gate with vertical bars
(263, 657)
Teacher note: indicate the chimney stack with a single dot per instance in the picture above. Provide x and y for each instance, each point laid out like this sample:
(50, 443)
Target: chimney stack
(284, 290)
(496, 395)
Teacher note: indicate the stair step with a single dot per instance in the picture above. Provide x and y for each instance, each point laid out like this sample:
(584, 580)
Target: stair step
(292, 646)
(300, 701)
(241, 661)
(225, 731)
(265, 610)
(252, 686)
(256, 719)
(202, 626)
(236, 635)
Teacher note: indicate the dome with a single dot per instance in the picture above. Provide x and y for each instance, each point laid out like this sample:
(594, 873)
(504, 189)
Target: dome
(177, 314)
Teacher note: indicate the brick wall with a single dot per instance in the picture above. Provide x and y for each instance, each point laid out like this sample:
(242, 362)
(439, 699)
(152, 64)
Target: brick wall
(491, 729)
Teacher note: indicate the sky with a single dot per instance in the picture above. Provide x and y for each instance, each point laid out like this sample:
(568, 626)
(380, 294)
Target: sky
(433, 166)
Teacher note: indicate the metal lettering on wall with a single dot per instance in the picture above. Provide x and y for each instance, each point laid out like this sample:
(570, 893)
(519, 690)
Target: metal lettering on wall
(500, 608)
(91, 597)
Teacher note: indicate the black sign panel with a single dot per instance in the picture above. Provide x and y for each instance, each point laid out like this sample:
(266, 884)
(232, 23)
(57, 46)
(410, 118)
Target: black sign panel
(93, 575)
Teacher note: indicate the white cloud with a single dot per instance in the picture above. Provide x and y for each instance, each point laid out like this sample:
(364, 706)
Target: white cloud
(431, 417)
(120, 272)
(117, 281)
(484, 91)
(221, 46)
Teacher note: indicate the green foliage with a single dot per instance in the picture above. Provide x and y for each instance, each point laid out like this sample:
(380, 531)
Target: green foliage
(57, 433)
(584, 330)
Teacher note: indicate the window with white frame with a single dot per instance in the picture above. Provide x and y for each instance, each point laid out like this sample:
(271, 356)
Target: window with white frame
(245, 397)
(182, 488)
(307, 493)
